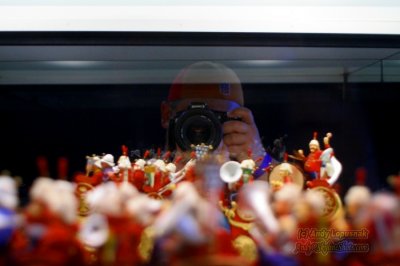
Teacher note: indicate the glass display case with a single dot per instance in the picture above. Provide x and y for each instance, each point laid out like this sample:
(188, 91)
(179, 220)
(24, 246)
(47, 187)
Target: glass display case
(87, 79)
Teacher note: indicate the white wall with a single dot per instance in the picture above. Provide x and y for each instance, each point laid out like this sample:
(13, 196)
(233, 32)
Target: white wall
(296, 16)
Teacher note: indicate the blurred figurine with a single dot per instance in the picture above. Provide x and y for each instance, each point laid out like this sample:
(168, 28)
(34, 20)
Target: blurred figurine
(186, 173)
(110, 231)
(50, 227)
(86, 182)
(357, 201)
(383, 232)
(157, 178)
(91, 166)
(124, 167)
(189, 232)
(331, 168)
(8, 193)
(8, 216)
(144, 210)
(248, 166)
(93, 175)
(284, 204)
(309, 211)
(138, 178)
(267, 231)
(106, 164)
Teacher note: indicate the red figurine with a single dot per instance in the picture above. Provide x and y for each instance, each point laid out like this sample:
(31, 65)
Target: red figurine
(138, 178)
(124, 167)
(48, 236)
(118, 241)
(312, 163)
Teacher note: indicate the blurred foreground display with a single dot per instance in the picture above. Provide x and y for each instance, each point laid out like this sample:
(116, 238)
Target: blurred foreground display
(200, 208)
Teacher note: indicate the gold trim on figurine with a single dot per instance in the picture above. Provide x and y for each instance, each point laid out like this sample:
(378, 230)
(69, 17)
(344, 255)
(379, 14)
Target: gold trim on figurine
(80, 192)
(230, 214)
(146, 245)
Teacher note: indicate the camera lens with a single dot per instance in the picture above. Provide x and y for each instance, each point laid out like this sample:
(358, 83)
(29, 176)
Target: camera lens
(198, 130)
(196, 126)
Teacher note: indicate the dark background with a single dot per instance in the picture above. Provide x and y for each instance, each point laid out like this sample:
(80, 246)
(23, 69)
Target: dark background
(75, 121)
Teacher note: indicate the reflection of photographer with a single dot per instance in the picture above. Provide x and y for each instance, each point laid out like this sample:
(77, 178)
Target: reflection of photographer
(205, 104)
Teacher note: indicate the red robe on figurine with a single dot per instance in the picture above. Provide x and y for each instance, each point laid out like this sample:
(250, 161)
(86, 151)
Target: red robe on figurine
(312, 164)
(48, 235)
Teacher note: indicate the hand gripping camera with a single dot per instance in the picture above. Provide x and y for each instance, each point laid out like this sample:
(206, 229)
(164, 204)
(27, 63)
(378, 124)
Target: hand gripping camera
(196, 125)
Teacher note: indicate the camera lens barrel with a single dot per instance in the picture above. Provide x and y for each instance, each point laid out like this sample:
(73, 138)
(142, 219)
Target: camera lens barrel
(197, 125)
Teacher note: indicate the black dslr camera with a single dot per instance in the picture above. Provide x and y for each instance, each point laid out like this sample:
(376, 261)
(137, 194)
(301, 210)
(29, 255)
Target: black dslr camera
(196, 125)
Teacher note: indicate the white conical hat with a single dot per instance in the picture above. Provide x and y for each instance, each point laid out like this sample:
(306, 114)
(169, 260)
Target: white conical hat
(108, 159)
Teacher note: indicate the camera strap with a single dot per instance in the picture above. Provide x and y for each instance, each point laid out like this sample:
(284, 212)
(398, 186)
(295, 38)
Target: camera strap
(263, 166)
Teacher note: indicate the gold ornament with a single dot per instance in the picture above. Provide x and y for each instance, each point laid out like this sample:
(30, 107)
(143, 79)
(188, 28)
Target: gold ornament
(146, 245)
(332, 201)
(246, 247)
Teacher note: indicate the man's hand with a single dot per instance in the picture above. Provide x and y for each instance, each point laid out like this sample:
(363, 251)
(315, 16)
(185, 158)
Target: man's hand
(242, 135)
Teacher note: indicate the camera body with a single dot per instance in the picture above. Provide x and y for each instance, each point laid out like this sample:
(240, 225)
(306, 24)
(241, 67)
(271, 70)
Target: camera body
(196, 125)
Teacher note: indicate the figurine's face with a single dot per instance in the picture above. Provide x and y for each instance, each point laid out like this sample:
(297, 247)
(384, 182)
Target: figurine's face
(105, 165)
(313, 148)
(352, 209)
(283, 173)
